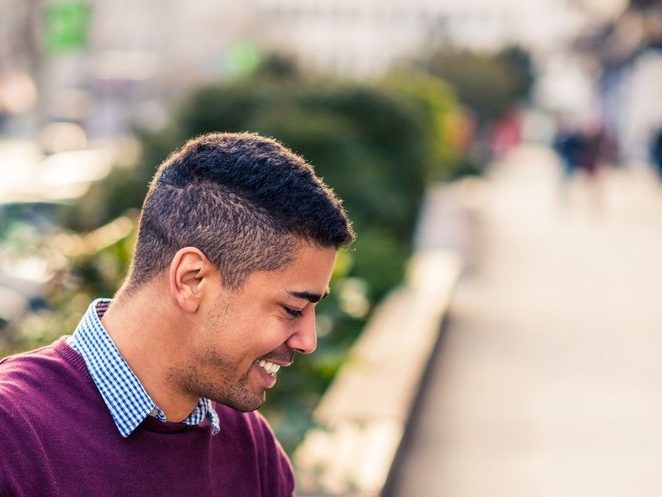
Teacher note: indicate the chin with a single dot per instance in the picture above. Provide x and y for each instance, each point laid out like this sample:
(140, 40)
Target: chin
(245, 407)
(245, 403)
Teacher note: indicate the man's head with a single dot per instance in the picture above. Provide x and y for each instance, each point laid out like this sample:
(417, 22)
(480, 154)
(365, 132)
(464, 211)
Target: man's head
(245, 201)
(245, 235)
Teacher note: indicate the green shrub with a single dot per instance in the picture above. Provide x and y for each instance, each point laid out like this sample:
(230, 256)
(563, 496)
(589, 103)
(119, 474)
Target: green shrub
(488, 83)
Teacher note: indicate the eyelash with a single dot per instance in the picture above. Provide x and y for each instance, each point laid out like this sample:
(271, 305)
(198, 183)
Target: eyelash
(293, 313)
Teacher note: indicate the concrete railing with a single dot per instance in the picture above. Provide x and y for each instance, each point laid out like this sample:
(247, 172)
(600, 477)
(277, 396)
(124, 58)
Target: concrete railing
(363, 415)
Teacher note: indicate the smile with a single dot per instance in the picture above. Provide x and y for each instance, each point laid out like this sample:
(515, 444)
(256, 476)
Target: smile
(269, 367)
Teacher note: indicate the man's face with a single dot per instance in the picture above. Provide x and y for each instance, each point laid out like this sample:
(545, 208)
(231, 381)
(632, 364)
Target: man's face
(247, 334)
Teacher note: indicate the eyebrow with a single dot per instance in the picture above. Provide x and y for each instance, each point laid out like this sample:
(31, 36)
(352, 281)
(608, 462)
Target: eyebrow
(310, 296)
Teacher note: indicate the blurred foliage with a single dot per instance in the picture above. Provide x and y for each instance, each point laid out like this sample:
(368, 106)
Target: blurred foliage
(489, 84)
(377, 145)
(441, 116)
(94, 266)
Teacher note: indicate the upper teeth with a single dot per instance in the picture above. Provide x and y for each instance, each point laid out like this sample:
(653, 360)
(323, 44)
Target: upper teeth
(269, 367)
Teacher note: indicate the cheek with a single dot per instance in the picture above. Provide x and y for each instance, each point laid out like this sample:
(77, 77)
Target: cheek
(246, 332)
(263, 338)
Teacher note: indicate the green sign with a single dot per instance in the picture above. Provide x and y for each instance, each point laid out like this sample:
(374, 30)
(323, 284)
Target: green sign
(67, 24)
(241, 59)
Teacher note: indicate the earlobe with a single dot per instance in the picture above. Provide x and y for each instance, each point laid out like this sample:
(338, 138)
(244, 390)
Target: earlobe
(188, 270)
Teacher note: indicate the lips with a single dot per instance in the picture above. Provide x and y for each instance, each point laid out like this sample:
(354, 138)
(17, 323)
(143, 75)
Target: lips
(269, 365)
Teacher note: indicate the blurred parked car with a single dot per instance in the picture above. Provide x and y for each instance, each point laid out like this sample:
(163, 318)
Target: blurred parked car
(27, 261)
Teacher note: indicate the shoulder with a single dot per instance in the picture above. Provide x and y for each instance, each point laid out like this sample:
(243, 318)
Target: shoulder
(33, 382)
(24, 393)
(55, 352)
(46, 396)
(20, 371)
(251, 429)
(35, 369)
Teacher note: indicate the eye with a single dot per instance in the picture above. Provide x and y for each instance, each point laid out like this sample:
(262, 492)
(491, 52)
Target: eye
(293, 313)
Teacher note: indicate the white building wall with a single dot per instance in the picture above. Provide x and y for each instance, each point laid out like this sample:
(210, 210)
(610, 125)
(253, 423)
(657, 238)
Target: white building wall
(641, 109)
(365, 36)
(160, 50)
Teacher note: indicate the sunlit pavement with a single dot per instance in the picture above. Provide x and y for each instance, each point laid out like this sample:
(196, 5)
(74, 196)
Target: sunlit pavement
(548, 380)
(27, 175)
(19, 161)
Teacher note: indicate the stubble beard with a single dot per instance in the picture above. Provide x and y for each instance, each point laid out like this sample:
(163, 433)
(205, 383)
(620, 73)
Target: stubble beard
(213, 378)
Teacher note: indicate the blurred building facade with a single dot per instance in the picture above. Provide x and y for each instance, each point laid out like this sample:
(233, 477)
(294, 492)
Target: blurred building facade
(132, 57)
(630, 52)
(137, 58)
(365, 37)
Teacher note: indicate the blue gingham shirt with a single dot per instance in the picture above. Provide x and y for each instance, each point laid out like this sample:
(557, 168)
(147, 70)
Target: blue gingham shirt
(126, 398)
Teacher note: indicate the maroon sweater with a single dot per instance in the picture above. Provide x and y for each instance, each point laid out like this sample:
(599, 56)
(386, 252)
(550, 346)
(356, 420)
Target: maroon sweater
(57, 438)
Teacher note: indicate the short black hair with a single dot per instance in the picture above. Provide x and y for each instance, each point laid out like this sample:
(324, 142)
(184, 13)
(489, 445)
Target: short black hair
(244, 200)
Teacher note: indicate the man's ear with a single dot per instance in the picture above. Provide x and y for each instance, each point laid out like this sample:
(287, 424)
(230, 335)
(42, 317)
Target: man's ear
(188, 270)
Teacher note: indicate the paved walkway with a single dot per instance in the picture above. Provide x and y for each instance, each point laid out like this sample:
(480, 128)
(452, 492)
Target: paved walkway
(548, 381)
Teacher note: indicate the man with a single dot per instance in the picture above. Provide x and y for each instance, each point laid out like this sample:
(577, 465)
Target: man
(154, 393)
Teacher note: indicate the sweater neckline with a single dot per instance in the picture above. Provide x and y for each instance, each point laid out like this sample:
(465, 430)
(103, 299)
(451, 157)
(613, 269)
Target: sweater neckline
(152, 424)
(76, 360)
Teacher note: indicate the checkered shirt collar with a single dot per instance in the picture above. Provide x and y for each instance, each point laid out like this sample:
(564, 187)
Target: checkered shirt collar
(126, 398)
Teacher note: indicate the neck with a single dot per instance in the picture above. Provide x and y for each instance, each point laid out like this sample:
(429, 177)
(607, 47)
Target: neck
(145, 327)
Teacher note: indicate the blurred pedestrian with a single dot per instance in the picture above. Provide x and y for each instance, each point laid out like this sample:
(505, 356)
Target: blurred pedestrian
(583, 151)
(656, 151)
(591, 150)
(154, 393)
(594, 154)
(506, 134)
(568, 144)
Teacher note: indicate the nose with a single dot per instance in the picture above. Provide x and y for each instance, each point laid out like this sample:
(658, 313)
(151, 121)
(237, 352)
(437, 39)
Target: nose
(304, 339)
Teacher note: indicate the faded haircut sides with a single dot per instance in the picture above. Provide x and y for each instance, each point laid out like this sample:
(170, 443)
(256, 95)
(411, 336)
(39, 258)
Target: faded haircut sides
(244, 200)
